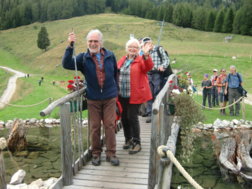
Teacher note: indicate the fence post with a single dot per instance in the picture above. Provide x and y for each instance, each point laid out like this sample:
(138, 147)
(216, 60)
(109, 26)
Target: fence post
(153, 162)
(66, 144)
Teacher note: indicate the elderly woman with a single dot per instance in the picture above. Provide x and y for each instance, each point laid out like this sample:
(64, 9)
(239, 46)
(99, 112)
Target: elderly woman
(133, 90)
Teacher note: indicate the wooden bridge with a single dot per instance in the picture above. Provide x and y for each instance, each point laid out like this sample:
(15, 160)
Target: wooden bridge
(131, 174)
(141, 170)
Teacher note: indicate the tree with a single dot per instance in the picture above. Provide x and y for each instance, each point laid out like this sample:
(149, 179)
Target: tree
(199, 18)
(219, 21)
(210, 21)
(182, 15)
(228, 21)
(43, 41)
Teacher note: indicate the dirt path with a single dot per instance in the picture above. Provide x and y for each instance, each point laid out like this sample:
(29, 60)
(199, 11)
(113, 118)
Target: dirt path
(11, 87)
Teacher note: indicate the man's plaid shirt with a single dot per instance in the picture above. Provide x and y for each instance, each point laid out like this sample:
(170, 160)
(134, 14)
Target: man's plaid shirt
(124, 80)
(156, 59)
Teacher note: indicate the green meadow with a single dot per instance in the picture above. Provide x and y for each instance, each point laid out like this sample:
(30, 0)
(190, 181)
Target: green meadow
(195, 51)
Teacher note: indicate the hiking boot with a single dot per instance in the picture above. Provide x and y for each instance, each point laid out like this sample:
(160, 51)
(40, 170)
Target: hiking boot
(136, 148)
(148, 120)
(113, 160)
(96, 160)
(127, 145)
(237, 113)
(145, 115)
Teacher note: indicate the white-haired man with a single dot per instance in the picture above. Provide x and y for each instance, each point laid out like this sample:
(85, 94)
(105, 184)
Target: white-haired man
(234, 81)
(99, 67)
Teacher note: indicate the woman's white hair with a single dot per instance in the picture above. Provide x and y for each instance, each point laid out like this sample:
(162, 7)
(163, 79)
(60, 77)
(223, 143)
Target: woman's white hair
(132, 40)
(95, 31)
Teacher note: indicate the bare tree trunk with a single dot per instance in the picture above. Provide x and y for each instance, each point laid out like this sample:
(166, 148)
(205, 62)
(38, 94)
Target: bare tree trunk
(17, 140)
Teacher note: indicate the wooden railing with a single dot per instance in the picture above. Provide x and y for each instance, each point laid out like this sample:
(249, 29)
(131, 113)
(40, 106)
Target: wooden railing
(74, 136)
(161, 130)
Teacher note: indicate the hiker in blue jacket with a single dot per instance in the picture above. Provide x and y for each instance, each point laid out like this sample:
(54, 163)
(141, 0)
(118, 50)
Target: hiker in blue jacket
(99, 66)
(234, 81)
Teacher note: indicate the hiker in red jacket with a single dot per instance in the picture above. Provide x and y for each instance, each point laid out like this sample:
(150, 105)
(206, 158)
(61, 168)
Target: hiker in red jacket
(134, 90)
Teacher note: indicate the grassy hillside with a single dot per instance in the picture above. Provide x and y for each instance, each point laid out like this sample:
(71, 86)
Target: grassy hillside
(195, 51)
(4, 77)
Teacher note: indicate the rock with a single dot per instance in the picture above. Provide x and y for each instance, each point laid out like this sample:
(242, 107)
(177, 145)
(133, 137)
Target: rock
(208, 126)
(33, 121)
(225, 123)
(217, 123)
(235, 121)
(2, 124)
(37, 183)
(49, 182)
(9, 124)
(48, 121)
(3, 143)
(19, 186)
(18, 177)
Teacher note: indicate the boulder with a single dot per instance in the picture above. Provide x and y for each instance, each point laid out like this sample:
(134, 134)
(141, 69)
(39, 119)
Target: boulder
(37, 184)
(49, 182)
(18, 177)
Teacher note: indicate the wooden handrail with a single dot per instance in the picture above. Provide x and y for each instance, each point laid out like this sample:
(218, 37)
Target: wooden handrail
(161, 94)
(160, 130)
(60, 101)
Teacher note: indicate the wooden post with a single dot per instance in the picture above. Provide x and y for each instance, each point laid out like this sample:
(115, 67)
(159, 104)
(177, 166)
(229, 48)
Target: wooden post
(2, 172)
(66, 144)
(153, 151)
(243, 109)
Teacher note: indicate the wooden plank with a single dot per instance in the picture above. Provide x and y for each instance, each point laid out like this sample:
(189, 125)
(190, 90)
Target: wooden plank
(108, 178)
(125, 164)
(108, 185)
(120, 168)
(113, 173)
(80, 187)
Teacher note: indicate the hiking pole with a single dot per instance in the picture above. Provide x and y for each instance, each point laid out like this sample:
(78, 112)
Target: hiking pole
(75, 65)
(160, 33)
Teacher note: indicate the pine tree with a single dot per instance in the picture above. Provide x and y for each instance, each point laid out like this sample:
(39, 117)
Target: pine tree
(219, 21)
(210, 21)
(43, 41)
(228, 21)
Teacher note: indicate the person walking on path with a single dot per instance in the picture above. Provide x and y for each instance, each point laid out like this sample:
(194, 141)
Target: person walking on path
(234, 81)
(134, 90)
(221, 83)
(99, 67)
(207, 86)
(161, 62)
(215, 100)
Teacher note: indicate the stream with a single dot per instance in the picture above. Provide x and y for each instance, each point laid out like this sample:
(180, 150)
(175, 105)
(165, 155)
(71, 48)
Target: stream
(201, 163)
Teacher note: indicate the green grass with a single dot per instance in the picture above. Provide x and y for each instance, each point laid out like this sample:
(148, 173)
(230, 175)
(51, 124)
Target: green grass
(212, 115)
(4, 78)
(196, 51)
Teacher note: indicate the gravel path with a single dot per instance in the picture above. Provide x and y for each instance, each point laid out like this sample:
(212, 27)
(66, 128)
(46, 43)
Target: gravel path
(11, 87)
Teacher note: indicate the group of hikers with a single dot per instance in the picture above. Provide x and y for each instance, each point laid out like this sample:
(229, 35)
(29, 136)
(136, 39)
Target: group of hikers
(135, 79)
(221, 88)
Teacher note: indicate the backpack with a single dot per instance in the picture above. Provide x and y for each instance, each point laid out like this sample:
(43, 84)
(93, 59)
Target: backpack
(168, 71)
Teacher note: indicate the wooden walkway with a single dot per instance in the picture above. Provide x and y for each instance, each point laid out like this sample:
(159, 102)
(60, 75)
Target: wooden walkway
(131, 174)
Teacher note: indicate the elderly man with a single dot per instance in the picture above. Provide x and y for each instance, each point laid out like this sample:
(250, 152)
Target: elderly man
(161, 62)
(234, 80)
(99, 67)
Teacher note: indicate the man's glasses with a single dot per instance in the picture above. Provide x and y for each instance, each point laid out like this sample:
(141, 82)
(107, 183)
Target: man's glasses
(132, 47)
(93, 41)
